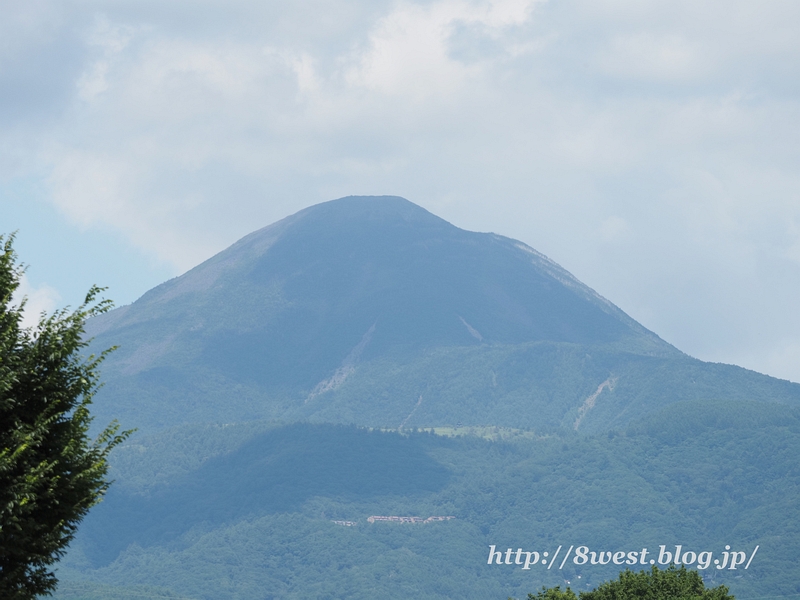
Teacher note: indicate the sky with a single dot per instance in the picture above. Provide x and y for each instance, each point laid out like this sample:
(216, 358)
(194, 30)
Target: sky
(649, 147)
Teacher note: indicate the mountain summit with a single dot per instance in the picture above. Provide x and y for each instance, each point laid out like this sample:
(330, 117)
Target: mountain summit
(372, 310)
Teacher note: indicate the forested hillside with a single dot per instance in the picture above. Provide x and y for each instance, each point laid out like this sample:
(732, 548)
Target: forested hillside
(248, 511)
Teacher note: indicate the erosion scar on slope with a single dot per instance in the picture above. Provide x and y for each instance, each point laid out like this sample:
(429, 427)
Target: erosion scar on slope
(347, 368)
(413, 410)
(589, 403)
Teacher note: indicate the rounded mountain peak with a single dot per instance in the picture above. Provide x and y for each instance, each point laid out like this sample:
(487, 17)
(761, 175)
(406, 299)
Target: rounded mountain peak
(295, 308)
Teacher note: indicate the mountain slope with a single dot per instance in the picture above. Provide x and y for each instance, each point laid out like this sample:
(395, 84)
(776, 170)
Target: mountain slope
(249, 511)
(371, 310)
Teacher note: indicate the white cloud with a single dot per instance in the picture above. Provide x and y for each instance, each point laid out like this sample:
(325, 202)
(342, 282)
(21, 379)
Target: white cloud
(651, 147)
(110, 40)
(779, 359)
(38, 300)
(613, 229)
(407, 54)
(408, 51)
(645, 56)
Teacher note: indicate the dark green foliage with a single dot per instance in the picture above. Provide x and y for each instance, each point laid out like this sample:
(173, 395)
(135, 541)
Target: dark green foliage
(669, 584)
(51, 473)
(554, 594)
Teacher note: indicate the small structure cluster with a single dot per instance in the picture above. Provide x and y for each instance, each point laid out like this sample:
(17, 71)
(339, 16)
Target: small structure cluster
(394, 519)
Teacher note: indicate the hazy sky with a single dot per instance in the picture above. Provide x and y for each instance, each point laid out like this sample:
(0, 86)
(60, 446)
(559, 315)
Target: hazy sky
(651, 148)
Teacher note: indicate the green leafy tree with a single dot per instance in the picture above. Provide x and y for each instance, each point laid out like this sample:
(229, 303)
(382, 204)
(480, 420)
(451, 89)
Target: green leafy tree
(669, 584)
(553, 594)
(51, 472)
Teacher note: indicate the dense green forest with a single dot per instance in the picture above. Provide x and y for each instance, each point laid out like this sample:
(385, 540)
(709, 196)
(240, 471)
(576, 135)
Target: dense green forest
(247, 511)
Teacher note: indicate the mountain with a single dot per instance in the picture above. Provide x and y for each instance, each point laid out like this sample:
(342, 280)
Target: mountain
(373, 311)
(364, 358)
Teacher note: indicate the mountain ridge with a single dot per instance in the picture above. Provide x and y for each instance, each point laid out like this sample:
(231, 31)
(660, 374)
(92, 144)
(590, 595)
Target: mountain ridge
(362, 303)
